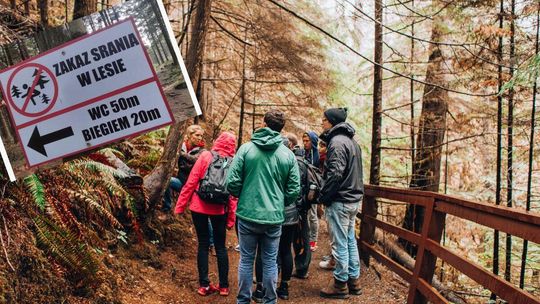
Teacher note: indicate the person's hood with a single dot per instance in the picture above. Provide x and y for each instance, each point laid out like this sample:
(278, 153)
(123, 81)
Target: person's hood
(313, 154)
(343, 128)
(225, 144)
(266, 139)
(314, 140)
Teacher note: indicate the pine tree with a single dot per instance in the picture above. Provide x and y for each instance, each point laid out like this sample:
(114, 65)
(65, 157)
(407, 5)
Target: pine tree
(15, 92)
(45, 99)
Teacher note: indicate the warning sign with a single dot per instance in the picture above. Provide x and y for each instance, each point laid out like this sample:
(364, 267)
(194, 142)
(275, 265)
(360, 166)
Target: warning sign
(91, 91)
(33, 90)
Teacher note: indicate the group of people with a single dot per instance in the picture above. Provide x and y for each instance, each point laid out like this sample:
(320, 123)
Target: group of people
(267, 202)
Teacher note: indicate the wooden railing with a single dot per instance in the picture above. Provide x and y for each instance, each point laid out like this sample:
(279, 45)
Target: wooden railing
(522, 224)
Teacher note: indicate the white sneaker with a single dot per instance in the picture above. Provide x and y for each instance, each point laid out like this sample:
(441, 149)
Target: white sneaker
(329, 264)
(237, 248)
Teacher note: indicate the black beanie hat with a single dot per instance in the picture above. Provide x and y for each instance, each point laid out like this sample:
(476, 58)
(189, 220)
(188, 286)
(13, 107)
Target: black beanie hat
(336, 115)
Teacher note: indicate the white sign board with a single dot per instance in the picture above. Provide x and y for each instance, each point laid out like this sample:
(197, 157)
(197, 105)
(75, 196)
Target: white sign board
(88, 92)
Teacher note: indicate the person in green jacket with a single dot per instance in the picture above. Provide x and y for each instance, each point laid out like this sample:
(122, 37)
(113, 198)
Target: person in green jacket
(264, 176)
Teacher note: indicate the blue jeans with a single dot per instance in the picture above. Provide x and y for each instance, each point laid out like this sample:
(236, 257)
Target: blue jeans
(341, 219)
(176, 185)
(267, 237)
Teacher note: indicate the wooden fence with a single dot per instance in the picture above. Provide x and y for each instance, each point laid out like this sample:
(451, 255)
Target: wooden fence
(522, 224)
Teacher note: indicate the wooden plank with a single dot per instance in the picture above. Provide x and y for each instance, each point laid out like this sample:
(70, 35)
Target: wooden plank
(430, 292)
(402, 233)
(490, 281)
(525, 230)
(415, 296)
(403, 272)
(435, 231)
(407, 191)
(513, 213)
(402, 195)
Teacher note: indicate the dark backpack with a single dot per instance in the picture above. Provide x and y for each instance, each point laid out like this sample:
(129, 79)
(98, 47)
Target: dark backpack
(312, 179)
(212, 187)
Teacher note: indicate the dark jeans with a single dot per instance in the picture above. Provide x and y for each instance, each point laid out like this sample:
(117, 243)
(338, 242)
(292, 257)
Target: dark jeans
(219, 223)
(258, 266)
(285, 255)
(302, 251)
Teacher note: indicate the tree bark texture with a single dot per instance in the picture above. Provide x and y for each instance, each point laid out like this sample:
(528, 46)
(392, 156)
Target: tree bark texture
(83, 8)
(44, 12)
(510, 150)
(431, 130)
(499, 143)
(369, 206)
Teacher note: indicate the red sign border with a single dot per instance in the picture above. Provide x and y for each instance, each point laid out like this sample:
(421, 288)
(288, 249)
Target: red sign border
(96, 99)
(53, 100)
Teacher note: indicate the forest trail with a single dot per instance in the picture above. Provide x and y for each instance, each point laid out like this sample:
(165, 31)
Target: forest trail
(176, 281)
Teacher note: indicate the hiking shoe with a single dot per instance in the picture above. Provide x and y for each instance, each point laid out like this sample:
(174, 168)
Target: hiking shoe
(336, 290)
(208, 290)
(313, 246)
(258, 294)
(283, 291)
(223, 291)
(354, 286)
(329, 264)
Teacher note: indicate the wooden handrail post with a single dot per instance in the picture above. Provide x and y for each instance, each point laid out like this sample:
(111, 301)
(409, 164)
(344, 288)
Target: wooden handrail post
(432, 229)
(367, 228)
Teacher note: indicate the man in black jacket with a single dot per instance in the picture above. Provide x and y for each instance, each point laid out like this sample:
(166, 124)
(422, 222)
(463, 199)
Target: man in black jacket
(341, 192)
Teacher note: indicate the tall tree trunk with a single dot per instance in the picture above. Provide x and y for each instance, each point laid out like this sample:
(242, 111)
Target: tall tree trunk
(369, 207)
(44, 12)
(531, 154)
(27, 7)
(498, 181)
(412, 92)
(510, 150)
(156, 181)
(83, 8)
(431, 130)
(66, 12)
(242, 95)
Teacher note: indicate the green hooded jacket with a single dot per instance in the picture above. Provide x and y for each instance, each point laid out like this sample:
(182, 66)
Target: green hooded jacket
(264, 176)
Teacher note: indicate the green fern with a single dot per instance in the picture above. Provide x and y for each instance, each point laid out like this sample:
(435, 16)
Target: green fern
(94, 205)
(37, 190)
(66, 248)
(97, 167)
(99, 176)
(113, 151)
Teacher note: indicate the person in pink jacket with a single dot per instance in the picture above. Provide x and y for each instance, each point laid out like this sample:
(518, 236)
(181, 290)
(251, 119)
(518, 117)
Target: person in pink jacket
(222, 217)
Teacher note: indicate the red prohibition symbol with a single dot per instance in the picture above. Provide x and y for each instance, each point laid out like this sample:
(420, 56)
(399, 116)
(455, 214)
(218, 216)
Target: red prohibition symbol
(32, 90)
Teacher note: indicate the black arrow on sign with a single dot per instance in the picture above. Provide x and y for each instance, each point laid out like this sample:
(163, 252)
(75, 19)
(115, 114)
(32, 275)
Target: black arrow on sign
(38, 142)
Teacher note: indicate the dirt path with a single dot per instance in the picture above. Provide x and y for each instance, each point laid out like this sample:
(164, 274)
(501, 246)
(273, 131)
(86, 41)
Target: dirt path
(176, 281)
